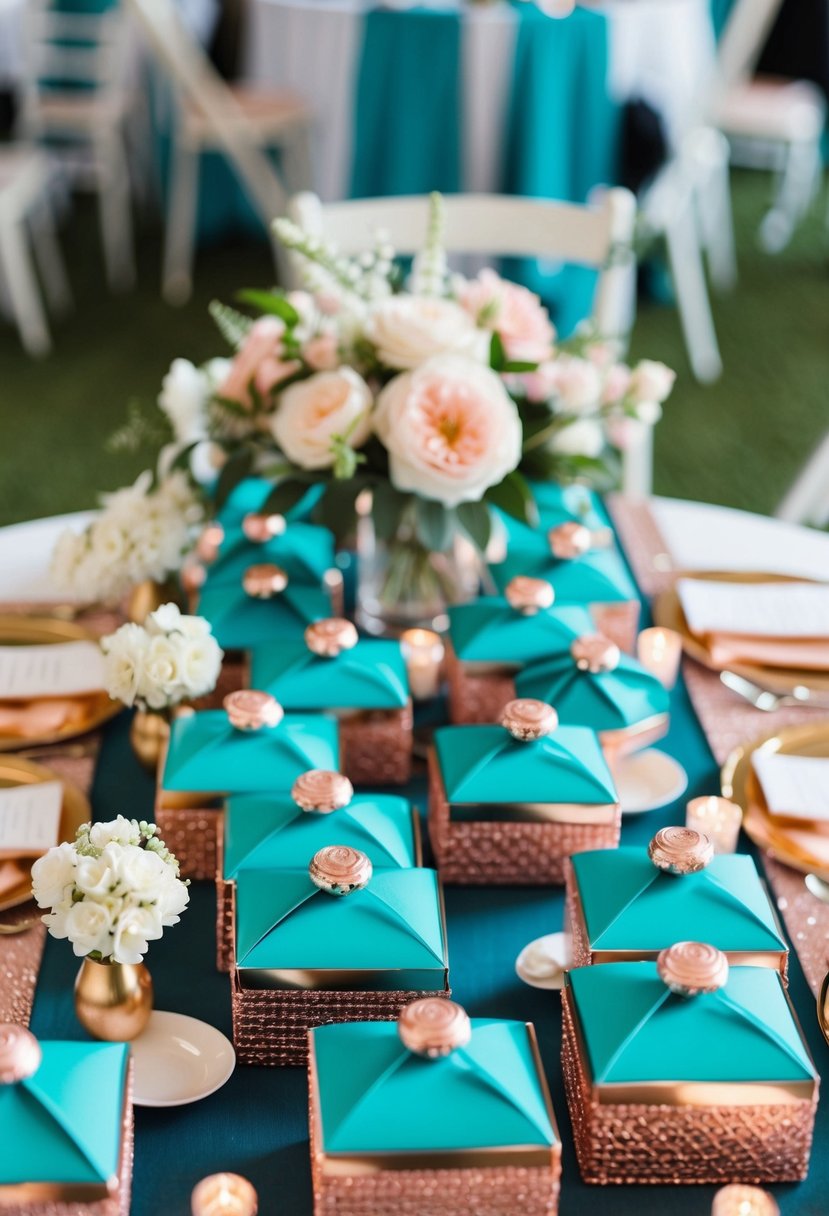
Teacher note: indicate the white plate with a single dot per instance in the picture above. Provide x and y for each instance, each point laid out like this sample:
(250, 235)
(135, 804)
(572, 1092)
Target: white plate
(552, 948)
(648, 780)
(178, 1060)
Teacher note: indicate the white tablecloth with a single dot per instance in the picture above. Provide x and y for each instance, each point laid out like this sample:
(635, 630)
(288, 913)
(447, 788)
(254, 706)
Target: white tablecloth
(660, 51)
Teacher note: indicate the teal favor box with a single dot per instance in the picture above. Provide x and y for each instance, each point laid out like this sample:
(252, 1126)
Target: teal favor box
(240, 621)
(472, 1130)
(250, 496)
(364, 684)
(622, 906)
(303, 957)
(624, 704)
(507, 809)
(207, 758)
(304, 551)
(704, 1061)
(67, 1120)
(490, 640)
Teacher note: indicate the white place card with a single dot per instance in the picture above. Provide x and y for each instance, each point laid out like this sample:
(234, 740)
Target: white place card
(797, 786)
(65, 669)
(776, 610)
(29, 818)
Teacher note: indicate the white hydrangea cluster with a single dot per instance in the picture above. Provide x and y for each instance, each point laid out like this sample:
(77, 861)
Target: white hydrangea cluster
(111, 892)
(169, 659)
(141, 533)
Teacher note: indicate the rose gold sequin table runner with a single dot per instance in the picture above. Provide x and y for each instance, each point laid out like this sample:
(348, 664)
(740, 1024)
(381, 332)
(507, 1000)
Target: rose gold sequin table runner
(727, 722)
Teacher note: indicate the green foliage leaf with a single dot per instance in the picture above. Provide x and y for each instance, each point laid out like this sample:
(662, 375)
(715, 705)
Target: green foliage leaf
(476, 520)
(232, 325)
(497, 354)
(519, 365)
(236, 469)
(435, 524)
(335, 509)
(284, 495)
(515, 498)
(271, 303)
(387, 508)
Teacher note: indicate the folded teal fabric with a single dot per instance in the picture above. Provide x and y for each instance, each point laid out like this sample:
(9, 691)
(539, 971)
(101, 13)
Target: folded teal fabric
(407, 108)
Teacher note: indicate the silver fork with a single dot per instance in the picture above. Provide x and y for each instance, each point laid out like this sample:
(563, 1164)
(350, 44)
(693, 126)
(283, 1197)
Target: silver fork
(767, 700)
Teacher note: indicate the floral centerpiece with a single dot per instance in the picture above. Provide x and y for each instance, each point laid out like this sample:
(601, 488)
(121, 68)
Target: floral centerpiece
(417, 404)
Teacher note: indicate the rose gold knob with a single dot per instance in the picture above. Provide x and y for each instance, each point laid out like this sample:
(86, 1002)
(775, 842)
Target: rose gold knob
(569, 540)
(260, 527)
(192, 576)
(691, 968)
(433, 1027)
(528, 595)
(595, 653)
(680, 850)
(331, 636)
(249, 709)
(210, 541)
(322, 791)
(527, 719)
(339, 869)
(20, 1053)
(264, 581)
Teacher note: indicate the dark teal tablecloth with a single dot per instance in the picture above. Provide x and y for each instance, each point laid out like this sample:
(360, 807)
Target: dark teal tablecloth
(257, 1124)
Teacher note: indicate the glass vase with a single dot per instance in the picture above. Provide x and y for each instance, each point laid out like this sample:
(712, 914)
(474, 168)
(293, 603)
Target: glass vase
(402, 584)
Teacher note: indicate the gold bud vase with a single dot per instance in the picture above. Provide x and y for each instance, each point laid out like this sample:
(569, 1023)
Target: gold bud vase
(149, 732)
(145, 597)
(113, 1001)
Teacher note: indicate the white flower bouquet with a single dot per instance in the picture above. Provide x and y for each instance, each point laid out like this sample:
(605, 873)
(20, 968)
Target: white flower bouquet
(169, 659)
(111, 892)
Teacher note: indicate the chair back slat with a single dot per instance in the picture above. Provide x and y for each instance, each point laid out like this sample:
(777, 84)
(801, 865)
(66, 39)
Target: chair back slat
(746, 30)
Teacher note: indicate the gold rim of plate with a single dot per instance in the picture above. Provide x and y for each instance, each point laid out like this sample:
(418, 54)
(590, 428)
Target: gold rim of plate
(42, 631)
(74, 811)
(741, 786)
(667, 612)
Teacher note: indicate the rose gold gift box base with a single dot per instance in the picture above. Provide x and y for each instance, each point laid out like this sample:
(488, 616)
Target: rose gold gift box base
(376, 746)
(581, 954)
(190, 833)
(630, 1143)
(619, 622)
(52, 1199)
(481, 852)
(485, 1190)
(477, 692)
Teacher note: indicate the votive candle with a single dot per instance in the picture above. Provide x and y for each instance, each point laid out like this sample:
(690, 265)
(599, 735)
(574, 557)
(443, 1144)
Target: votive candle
(718, 818)
(738, 1200)
(423, 653)
(659, 651)
(224, 1195)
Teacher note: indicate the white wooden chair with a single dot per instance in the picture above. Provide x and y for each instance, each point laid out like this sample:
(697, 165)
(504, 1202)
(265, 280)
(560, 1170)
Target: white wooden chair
(244, 125)
(770, 123)
(807, 500)
(26, 227)
(599, 235)
(85, 119)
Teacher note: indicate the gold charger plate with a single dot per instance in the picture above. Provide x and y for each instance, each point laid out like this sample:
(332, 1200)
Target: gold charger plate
(740, 785)
(667, 612)
(74, 811)
(43, 631)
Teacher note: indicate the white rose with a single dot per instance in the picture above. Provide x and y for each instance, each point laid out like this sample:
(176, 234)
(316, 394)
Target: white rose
(649, 412)
(173, 898)
(109, 539)
(183, 398)
(162, 672)
(201, 662)
(406, 330)
(166, 619)
(134, 930)
(651, 381)
(125, 654)
(53, 876)
(141, 872)
(451, 429)
(67, 555)
(88, 925)
(120, 829)
(311, 412)
(98, 876)
(578, 384)
(584, 437)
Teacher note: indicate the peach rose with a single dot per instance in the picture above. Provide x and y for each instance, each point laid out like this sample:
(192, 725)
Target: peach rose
(517, 316)
(451, 429)
(320, 352)
(313, 411)
(406, 330)
(259, 363)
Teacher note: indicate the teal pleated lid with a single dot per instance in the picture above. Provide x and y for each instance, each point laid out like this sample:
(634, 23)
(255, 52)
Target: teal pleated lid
(63, 1122)
(285, 922)
(628, 903)
(303, 551)
(270, 832)
(485, 764)
(490, 630)
(376, 1096)
(635, 1029)
(369, 675)
(240, 622)
(598, 576)
(251, 494)
(559, 504)
(207, 753)
(612, 698)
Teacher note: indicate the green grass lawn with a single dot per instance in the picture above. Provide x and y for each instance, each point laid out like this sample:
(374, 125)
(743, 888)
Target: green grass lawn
(738, 442)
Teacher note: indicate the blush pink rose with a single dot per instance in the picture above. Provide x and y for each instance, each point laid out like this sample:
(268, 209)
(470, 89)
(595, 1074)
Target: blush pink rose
(313, 411)
(616, 384)
(259, 363)
(451, 429)
(514, 313)
(320, 352)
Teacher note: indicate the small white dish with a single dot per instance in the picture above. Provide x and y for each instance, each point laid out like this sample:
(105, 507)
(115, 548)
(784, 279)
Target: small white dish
(542, 963)
(648, 780)
(179, 1059)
